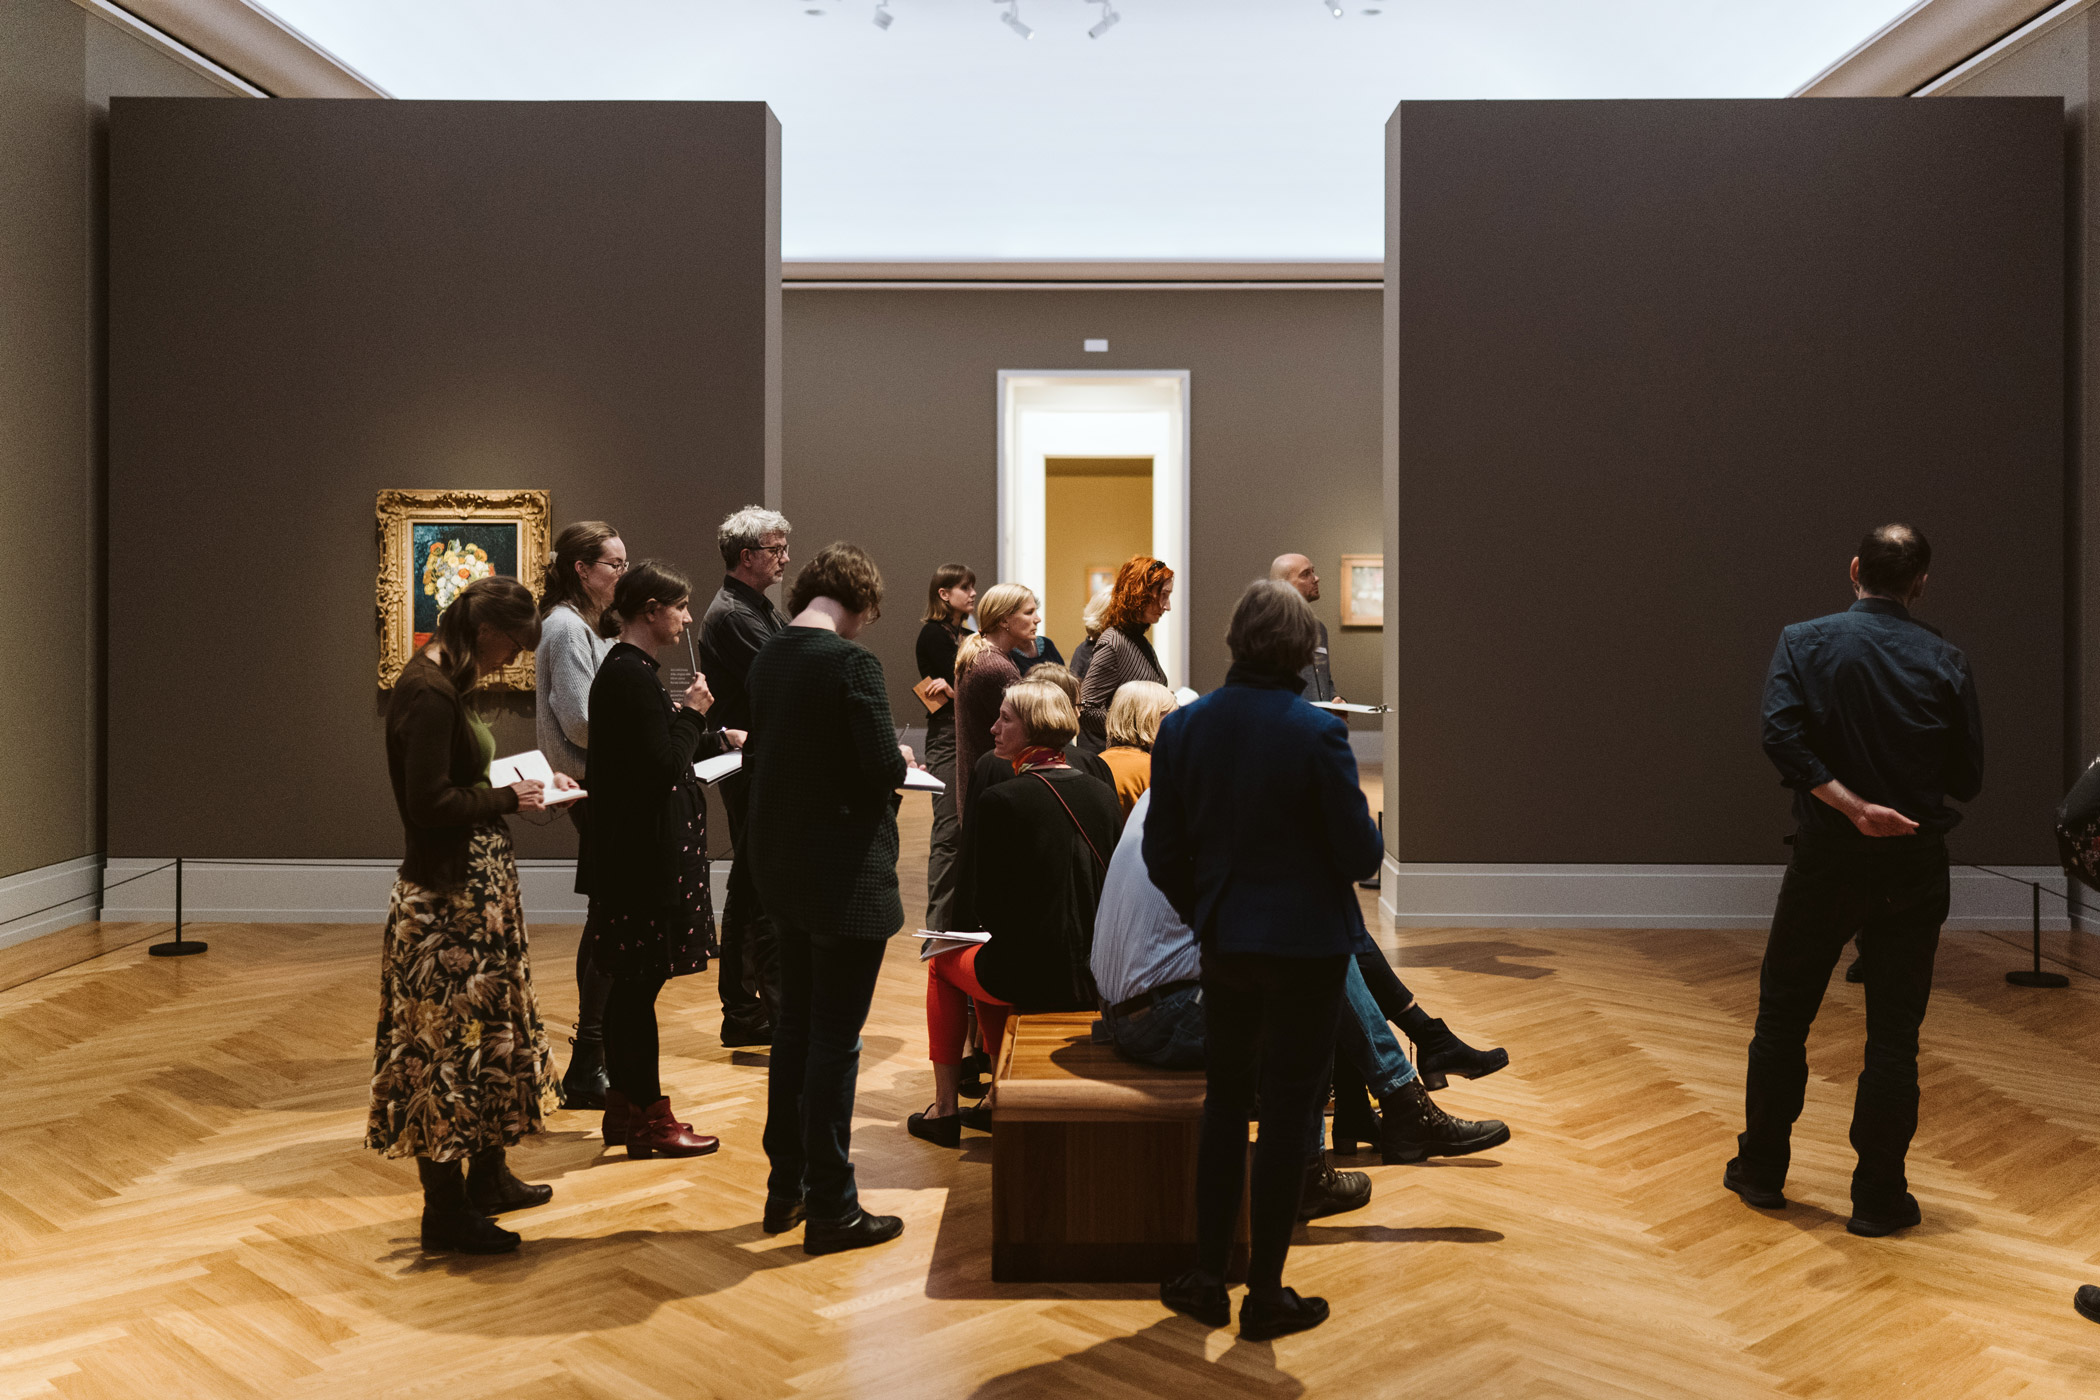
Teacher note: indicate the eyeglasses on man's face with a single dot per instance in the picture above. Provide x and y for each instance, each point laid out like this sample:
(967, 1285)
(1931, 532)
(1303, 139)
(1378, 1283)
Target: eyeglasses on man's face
(778, 551)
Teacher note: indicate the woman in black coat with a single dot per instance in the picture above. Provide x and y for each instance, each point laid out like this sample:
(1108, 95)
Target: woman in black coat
(644, 857)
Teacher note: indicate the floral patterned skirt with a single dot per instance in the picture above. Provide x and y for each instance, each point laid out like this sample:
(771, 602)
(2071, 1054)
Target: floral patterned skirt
(462, 1062)
(667, 941)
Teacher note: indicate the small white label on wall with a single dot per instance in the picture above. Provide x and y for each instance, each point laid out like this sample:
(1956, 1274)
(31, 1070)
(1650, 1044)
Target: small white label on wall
(1097, 347)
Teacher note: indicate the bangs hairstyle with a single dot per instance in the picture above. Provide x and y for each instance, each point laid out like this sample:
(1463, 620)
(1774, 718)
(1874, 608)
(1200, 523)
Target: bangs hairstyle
(843, 573)
(500, 603)
(650, 581)
(1892, 559)
(1045, 714)
(1137, 584)
(581, 543)
(998, 603)
(745, 529)
(1135, 712)
(946, 576)
(1273, 629)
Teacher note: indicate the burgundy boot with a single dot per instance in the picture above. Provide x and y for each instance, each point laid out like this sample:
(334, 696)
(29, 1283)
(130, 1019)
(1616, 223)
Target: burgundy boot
(653, 1132)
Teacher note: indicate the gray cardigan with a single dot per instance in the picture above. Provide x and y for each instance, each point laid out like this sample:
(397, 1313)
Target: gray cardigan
(565, 664)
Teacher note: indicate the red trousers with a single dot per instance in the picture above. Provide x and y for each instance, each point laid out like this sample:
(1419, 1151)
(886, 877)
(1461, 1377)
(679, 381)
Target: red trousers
(950, 979)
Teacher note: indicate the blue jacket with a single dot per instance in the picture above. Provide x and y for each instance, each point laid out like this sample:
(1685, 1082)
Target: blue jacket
(1258, 829)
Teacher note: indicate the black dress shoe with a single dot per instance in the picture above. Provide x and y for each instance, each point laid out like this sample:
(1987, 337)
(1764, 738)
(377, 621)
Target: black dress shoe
(1329, 1192)
(1763, 1197)
(737, 1035)
(1280, 1315)
(945, 1131)
(1197, 1295)
(781, 1217)
(824, 1237)
(2087, 1301)
(1885, 1220)
(978, 1071)
(585, 1083)
(464, 1230)
(977, 1118)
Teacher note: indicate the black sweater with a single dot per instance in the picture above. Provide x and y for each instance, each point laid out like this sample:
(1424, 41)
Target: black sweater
(936, 650)
(1028, 877)
(644, 798)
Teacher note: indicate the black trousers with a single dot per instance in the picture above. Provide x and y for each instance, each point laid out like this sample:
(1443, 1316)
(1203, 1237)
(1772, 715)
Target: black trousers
(1269, 1040)
(592, 986)
(1891, 895)
(630, 1038)
(750, 973)
(1387, 989)
(827, 984)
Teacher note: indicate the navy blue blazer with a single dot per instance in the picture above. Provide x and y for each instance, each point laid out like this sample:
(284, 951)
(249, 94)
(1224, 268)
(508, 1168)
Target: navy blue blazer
(1258, 829)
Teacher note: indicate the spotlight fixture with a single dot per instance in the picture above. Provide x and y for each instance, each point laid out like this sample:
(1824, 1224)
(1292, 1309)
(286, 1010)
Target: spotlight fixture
(1108, 20)
(1333, 7)
(883, 18)
(1012, 20)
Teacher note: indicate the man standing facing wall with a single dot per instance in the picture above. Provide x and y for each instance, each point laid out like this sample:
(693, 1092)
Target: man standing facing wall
(1298, 571)
(739, 620)
(1871, 718)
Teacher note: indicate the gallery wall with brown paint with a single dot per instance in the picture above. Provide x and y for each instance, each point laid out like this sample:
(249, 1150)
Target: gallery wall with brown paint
(313, 301)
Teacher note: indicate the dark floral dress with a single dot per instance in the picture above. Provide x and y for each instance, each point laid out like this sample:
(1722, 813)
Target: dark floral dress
(666, 941)
(462, 1062)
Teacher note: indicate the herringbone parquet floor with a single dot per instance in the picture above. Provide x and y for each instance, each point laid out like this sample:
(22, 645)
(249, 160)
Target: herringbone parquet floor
(185, 1210)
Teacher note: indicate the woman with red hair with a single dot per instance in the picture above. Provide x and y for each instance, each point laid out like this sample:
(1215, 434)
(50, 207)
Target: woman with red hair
(1143, 593)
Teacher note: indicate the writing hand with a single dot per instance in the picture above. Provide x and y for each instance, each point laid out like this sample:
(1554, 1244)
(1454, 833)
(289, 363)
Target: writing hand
(531, 797)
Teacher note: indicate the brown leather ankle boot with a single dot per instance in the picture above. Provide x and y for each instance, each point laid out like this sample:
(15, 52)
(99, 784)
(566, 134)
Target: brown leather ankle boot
(653, 1132)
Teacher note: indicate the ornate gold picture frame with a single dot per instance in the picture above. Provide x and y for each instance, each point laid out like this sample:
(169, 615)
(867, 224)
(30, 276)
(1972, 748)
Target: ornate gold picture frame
(434, 543)
(1363, 590)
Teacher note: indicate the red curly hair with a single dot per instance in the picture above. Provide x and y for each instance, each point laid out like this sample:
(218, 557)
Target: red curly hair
(1137, 584)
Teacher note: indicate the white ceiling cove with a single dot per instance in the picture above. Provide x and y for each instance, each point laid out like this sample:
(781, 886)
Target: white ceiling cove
(1192, 129)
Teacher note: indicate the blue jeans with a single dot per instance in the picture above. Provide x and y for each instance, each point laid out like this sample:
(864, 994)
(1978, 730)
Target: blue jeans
(1369, 1042)
(1168, 1033)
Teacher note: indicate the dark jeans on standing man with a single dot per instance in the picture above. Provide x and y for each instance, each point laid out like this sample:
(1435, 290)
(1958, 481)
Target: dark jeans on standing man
(827, 983)
(1892, 894)
(1269, 1041)
(750, 974)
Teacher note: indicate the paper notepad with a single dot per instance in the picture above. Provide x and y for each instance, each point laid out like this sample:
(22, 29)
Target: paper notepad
(919, 780)
(1185, 696)
(713, 770)
(1341, 708)
(939, 943)
(531, 768)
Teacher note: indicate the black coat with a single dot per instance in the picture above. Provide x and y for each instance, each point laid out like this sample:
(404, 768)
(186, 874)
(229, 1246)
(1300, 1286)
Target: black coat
(643, 798)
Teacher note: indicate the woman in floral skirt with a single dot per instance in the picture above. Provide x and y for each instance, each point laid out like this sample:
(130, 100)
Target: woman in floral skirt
(644, 860)
(462, 1067)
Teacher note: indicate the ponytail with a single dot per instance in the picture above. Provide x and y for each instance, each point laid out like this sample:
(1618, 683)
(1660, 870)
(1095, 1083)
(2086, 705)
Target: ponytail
(1000, 601)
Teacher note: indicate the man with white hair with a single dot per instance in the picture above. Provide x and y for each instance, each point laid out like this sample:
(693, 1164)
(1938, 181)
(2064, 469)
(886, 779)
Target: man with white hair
(1298, 571)
(739, 620)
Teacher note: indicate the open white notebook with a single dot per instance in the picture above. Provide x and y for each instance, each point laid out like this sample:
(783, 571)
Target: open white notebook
(1342, 708)
(919, 780)
(939, 943)
(531, 768)
(713, 770)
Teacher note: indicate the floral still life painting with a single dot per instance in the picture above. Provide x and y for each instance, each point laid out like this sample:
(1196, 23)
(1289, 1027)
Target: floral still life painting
(433, 545)
(454, 555)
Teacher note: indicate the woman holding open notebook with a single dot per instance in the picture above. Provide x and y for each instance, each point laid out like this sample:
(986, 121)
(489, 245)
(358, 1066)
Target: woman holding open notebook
(644, 861)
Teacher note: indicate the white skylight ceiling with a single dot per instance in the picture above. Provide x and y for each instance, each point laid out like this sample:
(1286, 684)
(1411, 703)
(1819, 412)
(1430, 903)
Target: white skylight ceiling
(1192, 129)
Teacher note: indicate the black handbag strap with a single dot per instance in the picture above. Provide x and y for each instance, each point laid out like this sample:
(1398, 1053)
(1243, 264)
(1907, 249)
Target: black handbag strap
(1075, 818)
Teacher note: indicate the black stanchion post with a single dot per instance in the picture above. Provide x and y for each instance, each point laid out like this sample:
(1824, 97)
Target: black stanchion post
(2023, 977)
(178, 946)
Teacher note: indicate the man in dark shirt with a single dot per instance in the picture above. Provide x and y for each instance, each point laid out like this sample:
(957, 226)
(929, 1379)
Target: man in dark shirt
(739, 620)
(1298, 571)
(1871, 718)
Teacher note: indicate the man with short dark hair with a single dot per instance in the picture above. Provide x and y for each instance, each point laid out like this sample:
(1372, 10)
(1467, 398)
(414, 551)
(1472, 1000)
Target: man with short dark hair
(1871, 718)
(739, 620)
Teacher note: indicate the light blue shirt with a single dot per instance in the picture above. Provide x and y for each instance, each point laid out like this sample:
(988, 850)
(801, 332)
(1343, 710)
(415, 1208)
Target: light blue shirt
(1140, 943)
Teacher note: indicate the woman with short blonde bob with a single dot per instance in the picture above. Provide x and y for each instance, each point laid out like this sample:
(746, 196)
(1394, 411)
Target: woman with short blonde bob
(1007, 617)
(1133, 722)
(1034, 853)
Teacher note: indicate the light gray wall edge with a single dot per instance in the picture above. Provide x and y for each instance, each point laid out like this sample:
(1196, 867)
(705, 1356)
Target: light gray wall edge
(26, 899)
(1416, 895)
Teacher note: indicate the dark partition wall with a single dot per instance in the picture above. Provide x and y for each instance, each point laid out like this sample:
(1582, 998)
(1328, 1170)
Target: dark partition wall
(1653, 368)
(313, 301)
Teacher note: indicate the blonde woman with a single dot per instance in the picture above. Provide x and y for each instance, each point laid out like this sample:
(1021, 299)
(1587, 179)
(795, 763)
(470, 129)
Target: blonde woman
(1091, 621)
(1133, 722)
(1007, 617)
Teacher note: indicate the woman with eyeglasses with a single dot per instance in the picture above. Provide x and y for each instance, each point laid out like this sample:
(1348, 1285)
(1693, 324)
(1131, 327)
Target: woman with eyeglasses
(589, 558)
(462, 1068)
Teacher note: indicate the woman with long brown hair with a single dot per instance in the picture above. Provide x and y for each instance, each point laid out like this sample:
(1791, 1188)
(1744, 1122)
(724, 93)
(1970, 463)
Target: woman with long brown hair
(951, 597)
(1143, 593)
(461, 1068)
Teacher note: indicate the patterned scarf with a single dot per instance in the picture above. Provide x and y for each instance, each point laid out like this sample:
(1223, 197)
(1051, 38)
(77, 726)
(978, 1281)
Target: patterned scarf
(1039, 756)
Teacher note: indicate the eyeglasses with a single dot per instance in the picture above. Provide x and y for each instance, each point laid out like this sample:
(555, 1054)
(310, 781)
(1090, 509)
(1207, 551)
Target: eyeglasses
(780, 550)
(618, 566)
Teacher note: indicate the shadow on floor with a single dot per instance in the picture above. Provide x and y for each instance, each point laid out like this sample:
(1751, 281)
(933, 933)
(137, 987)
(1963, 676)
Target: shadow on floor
(1486, 957)
(1166, 1358)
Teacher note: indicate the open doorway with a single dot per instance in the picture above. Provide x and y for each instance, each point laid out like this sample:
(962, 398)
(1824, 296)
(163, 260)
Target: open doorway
(1094, 464)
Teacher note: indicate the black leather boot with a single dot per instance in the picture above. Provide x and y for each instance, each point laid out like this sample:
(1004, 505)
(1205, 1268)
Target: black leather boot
(584, 1086)
(1439, 1053)
(450, 1222)
(492, 1189)
(1413, 1128)
(829, 1237)
(1329, 1192)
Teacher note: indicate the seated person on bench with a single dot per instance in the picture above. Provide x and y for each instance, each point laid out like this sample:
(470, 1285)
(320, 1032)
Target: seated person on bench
(1146, 966)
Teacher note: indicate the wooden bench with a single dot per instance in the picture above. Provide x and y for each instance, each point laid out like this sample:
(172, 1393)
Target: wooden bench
(1093, 1160)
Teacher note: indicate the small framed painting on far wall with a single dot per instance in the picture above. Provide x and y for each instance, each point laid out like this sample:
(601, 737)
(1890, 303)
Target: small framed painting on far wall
(1363, 590)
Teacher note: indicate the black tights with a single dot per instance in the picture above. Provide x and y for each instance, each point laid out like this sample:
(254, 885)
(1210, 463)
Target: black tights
(630, 1038)
(592, 988)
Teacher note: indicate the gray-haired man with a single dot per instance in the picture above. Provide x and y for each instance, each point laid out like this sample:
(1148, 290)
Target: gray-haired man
(739, 620)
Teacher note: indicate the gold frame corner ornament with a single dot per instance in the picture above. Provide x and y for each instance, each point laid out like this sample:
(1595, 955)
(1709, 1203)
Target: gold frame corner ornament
(398, 512)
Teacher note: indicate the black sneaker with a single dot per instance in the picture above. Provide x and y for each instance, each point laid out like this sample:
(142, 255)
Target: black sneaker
(825, 1237)
(1900, 1215)
(1198, 1296)
(781, 1216)
(1763, 1197)
(1279, 1316)
(2087, 1301)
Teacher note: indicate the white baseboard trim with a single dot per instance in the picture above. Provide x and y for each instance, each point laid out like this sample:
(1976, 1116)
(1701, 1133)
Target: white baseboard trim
(325, 891)
(1415, 895)
(74, 886)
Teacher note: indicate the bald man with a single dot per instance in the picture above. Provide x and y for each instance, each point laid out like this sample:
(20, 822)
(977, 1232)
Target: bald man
(1298, 571)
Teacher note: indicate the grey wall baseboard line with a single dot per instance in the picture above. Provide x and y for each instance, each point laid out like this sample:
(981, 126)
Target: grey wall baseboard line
(26, 899)
(325, 891)
(1662, 896)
